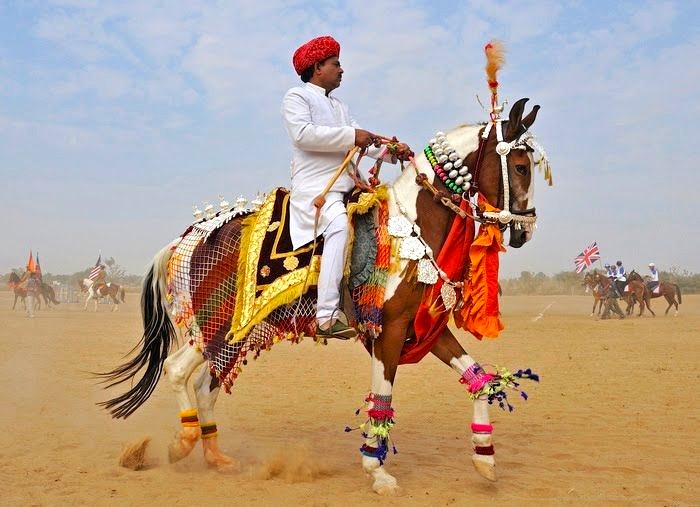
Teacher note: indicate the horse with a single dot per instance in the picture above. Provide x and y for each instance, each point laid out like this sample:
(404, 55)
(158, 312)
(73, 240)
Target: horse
(49, 295)
(666, 289)
(15, 283)
(610, 304)
(110, 289)
(45, 291)
(591, 283)
(501, 164)
(636, 291)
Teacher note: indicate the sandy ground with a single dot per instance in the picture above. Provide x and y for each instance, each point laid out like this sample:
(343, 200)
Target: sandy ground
(614, 420)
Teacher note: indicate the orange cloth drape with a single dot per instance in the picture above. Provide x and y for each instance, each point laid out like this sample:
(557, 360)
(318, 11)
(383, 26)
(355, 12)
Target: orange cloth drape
(480, 313)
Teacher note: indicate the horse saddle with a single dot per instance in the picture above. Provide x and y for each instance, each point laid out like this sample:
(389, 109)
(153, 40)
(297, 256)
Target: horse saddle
(271, 273)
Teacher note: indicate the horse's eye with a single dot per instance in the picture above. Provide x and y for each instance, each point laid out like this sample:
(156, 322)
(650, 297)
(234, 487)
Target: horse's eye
(521, 169)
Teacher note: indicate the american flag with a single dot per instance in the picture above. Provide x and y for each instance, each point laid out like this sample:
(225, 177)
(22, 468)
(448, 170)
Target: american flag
(96, 269)
(587, 257)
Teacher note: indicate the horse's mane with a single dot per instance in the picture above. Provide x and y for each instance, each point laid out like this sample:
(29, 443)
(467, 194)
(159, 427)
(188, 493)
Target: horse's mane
(14, 278)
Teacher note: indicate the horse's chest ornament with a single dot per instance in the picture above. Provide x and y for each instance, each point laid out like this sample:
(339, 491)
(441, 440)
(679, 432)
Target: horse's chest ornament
(413, 247)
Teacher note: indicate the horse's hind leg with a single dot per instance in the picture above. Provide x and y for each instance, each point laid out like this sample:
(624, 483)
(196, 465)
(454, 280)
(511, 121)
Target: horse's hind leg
(449, 351)
(206, 390)
(178, 368)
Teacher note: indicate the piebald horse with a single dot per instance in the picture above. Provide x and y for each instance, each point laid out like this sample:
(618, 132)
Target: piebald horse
(504, 178)
(111, 290)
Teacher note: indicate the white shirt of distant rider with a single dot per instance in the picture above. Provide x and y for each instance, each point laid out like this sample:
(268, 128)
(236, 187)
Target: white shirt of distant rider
(618, 273)
(654, 276)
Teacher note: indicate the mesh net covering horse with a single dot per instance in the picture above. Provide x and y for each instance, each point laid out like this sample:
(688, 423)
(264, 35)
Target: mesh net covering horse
(233, 286)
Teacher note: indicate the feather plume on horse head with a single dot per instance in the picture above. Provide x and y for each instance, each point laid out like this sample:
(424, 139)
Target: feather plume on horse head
(495, 58)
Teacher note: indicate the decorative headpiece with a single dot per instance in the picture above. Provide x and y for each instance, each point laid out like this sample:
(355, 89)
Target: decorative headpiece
(495, 58)
(314, 51)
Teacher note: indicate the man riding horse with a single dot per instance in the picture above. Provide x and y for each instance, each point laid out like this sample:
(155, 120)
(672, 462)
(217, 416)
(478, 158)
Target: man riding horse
(100, 279)
(322, 131)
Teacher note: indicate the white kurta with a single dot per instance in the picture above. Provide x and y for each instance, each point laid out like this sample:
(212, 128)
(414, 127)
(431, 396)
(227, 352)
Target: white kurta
(322, 131)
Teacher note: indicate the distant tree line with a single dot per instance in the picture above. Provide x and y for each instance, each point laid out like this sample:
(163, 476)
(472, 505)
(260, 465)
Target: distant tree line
(568, 282)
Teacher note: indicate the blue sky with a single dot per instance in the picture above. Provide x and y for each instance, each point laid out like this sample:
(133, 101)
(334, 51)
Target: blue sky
(117, 117)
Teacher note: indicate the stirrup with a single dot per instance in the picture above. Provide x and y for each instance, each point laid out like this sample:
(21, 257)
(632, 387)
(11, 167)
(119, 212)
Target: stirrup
(339, 328)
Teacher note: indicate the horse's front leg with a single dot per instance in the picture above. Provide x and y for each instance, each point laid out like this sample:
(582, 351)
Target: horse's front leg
(385, 359)
(449, 351)
(178, 367)
(206, 390)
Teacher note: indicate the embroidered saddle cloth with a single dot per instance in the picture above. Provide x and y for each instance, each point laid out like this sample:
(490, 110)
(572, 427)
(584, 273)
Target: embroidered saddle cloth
(270, 273)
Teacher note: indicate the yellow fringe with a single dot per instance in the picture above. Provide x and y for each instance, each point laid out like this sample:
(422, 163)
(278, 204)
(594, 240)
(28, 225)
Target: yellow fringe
(283, 298)
(367, 201)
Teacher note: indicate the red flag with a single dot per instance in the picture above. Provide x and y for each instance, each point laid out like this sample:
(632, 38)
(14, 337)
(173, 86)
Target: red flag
(587, 257)
(31, 265)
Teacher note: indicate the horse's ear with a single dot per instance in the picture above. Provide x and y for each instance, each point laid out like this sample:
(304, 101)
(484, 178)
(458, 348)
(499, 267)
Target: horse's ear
(530, 118)
(515, 120)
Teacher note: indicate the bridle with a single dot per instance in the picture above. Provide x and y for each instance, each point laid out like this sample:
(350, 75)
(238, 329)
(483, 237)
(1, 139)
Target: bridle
(518, 218)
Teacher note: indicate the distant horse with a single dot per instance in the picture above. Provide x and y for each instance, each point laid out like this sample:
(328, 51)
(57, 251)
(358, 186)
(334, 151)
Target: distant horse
(47, 292)
(666, 289)
(603, 284)
(636, 292)
(44, 291)
(591, 283)
(15, 283)
(112, 290)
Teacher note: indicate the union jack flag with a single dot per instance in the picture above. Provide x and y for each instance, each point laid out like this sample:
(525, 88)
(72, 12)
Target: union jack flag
(95, 270)
(587, 257)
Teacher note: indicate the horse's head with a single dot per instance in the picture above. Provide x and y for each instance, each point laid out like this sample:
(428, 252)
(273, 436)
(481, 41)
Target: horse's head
(588, 280)
(496, 160)
(633, 276)
(14, 280)
(513, 189)
(84, 285)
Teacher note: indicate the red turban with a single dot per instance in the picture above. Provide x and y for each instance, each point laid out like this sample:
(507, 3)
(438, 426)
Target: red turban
(314, 51)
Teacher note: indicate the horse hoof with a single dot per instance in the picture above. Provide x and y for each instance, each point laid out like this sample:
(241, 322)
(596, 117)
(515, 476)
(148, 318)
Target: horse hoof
(389, 491)
(182, 444)
(390, 488)
(222, 463)
(485, 468)
(227, 467)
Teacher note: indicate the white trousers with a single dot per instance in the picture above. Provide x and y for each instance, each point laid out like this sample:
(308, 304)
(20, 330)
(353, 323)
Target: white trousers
(332, 264)
(30, 302)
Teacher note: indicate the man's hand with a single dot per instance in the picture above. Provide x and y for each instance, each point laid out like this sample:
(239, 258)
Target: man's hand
(363, 138)
(401, 151)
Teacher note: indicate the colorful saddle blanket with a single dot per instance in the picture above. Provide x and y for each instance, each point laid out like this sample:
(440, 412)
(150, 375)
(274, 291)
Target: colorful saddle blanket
(271, 273)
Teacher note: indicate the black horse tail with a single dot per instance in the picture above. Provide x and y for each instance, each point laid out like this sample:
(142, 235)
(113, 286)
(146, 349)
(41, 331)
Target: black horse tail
(122, 294)
(158, 336)
(52, 295)
(678, 291)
